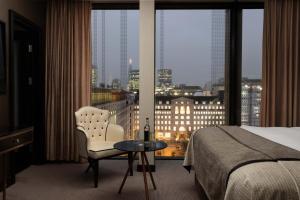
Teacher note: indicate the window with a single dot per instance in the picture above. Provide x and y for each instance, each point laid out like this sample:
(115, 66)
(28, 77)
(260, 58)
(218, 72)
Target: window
(115, 67)
(190, 70)
(251, 66)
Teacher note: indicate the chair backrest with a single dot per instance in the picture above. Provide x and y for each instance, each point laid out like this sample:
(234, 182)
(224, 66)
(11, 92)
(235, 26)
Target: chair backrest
(94, 121)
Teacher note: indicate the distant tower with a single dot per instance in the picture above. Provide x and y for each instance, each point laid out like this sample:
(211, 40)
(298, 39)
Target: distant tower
(130, 65)
(218, 40)
(165, 77)
(123, 49)
(103, 49)
(162, 45)
(95, 43)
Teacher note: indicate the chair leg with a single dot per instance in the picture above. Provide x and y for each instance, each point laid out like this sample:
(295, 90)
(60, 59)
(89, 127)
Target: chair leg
(90, 166)
(130, 158)
(95, 166)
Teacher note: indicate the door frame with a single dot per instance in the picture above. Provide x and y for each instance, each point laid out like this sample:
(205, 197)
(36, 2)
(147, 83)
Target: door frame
(39, 83)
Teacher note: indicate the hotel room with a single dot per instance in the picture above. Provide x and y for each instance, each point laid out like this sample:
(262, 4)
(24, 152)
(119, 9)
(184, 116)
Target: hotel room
(150, 99)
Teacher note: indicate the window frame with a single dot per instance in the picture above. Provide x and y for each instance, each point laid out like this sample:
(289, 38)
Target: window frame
(233, 68)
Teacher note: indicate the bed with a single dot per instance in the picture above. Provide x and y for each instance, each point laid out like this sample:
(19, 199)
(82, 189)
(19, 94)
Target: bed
(241, 163)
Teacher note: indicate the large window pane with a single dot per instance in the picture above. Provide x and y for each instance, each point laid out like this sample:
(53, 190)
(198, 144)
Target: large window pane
(115, 66)
(251, 66)
(190, 63)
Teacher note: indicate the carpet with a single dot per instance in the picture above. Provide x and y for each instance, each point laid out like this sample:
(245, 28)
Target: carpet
(69, 182)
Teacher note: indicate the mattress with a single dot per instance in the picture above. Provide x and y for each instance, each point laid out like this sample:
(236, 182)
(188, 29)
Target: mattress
(289, 137)
(260, 180)
(268, 180)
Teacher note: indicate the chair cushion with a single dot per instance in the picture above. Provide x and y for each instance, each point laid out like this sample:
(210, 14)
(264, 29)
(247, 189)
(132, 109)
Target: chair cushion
(102, 149)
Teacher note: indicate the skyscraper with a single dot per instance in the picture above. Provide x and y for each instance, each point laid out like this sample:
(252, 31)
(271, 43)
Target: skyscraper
(103, 50)
(130, 65)
(94, 77)
(98, 62)
(95, 58)
(251, 100)
(165, 77)
(123, 49)
(218, 40)
(133, 81)
(161, 35)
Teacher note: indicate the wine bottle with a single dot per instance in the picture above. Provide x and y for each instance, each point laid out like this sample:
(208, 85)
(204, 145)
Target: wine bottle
(147, 130)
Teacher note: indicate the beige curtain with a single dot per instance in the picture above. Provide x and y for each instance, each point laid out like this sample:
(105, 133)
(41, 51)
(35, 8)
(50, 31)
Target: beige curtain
(68, 66)
(281, 70)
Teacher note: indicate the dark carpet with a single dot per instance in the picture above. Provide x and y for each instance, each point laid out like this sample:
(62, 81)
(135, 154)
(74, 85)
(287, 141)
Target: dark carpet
(69, 182)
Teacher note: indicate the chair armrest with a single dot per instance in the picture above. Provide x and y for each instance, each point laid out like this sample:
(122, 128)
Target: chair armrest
(114, 133)
(82, 139)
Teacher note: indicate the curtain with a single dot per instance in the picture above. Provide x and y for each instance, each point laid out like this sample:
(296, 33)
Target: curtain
(281, 73)
(68, 67)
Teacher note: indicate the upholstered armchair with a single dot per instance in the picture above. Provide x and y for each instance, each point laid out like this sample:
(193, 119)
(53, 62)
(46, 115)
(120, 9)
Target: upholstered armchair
(96, 137)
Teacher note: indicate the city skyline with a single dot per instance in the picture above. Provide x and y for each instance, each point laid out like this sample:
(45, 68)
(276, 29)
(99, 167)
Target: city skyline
(190, 52)
(193, 55)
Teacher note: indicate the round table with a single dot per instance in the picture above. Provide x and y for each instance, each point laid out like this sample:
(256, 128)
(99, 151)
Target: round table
(139, 146)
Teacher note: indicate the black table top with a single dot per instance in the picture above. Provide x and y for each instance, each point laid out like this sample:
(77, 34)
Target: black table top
(140, 145)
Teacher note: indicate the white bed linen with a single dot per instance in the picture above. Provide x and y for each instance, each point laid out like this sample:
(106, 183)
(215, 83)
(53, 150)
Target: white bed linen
(289, 137)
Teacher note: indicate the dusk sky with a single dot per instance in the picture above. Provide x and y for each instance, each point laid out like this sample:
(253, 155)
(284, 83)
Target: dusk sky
(187, 39)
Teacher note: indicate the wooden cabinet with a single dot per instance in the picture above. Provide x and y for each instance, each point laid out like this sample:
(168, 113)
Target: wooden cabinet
(11, 141)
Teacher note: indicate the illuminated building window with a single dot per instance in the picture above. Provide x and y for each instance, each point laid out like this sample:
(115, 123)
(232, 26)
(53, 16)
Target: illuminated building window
(187, 117)
(188, 111)
(182, 117)
(174, 128)
(182, 110)
(176, 122)
(182, 129)
(176, 110)
(176, 117)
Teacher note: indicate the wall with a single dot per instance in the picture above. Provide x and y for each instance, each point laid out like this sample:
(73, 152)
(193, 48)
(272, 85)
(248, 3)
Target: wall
(35, 12)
